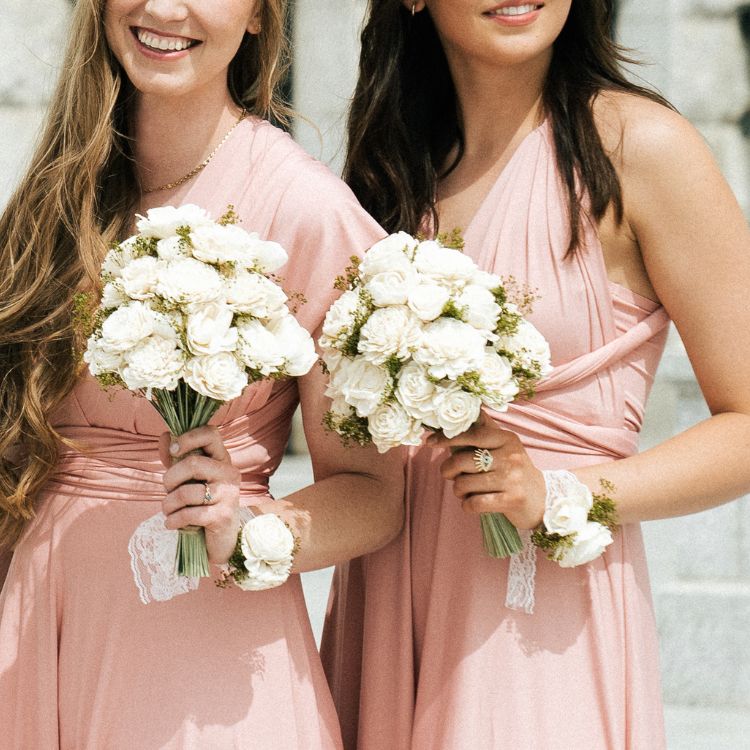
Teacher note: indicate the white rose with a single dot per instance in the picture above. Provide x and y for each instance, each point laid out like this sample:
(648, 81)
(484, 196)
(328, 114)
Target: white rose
(360, 383)
(389, 332)
(390, 254)
(529, 347)
(390, 426)
(154, 363)
(391, 287)
(480, 308)
(126, 326)
(118, 257)
(339, 319)
(450, 348)
(209, 328)
(170, 248)
(427, 300)
(416, 392)
(496, 375)
(138, 279)
(217, 243)
(568, 512)
(164, 221)
(113, 296)
(296, 345)
(218, 376)
(268, 549)
(188, 280)
(258, 348)
(444, 264)
(264, 255)
(487, 280)
(101, 360)
(254, 294)
(456, 410)
(588, 544)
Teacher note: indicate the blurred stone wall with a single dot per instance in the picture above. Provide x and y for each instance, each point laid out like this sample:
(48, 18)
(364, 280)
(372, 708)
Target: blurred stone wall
(698, 57)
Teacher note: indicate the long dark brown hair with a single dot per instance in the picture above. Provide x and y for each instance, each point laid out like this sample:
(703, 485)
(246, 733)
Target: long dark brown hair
(404, 122)
(75, 199)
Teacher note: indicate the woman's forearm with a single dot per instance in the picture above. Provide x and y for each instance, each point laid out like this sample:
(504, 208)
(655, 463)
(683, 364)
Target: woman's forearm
(698, 469)
(342, 516)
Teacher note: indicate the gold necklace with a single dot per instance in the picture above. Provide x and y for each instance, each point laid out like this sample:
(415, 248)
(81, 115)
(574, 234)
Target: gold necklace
(194, 171)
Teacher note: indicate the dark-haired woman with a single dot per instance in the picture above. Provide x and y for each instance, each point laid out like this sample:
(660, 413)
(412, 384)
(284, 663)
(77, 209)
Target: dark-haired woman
(513, 122)
(165, 102)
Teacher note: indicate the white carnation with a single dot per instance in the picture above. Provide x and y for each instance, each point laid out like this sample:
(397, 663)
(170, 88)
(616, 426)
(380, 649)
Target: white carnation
(296, 345)
(218, 376)
(126, 326)
(258, 348)
(118, 257)
(186, 280)
(479, 308)
(218, 243)
(588, 544)
(209, 328)
(101, 360)
(264, 255)
(392, 254)
(164, 221)
(113, 296)
(528, 347)
(362, 384)
(390, 426)
(488, 280)
(427, 300)
(456, 410)
(444, 264)
(139, 277)
(416, 392)
(154, 363)
(268, 548)
(170, 248)
(389, 332)
(254, 294)
(450, 348)
(339, 319)
(496, 375)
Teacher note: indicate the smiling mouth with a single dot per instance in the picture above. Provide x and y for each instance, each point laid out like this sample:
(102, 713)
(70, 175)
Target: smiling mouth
(162, 42)
(515, 10)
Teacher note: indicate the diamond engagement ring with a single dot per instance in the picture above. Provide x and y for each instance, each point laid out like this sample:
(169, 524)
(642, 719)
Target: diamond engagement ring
(207, 496)
(483, 459)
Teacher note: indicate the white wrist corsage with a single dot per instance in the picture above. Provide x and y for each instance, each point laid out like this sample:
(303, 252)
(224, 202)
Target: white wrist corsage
(578, 524)
(263, 555)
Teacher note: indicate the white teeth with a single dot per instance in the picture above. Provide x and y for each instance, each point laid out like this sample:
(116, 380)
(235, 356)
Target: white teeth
(514, 10)
(160, 43)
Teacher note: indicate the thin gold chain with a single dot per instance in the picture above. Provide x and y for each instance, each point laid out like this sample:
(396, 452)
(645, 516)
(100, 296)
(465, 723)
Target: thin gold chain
(194, 171)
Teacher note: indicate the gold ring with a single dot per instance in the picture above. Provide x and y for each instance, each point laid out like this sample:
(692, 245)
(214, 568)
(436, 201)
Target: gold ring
(207, 496)
(483, 459)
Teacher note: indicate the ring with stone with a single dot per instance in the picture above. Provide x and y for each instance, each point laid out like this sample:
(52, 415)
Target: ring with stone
(207, 496)
(483, 459)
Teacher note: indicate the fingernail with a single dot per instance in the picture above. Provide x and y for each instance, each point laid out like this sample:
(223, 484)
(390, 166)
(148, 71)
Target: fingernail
(174, 448)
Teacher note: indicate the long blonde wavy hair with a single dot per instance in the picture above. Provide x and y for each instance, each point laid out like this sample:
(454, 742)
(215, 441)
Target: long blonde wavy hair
(76, 198)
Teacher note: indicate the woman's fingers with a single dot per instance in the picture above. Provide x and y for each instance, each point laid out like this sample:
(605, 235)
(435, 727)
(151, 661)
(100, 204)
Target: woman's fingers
(200, 468)
(205, 439)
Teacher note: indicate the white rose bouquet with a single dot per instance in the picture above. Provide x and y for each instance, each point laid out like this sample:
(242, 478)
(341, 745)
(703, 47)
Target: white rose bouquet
(190, 315)
(422, 338)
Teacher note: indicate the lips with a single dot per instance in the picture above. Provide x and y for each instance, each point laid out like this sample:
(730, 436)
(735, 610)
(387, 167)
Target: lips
(161, 42)
(510, 10)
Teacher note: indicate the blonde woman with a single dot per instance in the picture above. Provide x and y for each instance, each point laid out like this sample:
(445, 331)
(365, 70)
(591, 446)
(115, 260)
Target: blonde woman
(164, 102)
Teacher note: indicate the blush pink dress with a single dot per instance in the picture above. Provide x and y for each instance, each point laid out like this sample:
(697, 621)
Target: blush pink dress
(420, 649)
(84, 663)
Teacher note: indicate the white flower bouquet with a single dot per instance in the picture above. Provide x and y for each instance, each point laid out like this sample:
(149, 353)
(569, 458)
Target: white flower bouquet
(422, 338)
(189, 315)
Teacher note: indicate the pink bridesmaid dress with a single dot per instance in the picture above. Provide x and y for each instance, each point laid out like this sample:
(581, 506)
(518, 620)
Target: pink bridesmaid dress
(84, 663)
(420, 649)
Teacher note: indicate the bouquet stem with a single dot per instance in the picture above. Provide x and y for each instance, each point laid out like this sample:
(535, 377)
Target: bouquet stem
(501, 538)
(183, 409)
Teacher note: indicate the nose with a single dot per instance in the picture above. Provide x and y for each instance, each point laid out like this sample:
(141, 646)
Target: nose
(167, 10)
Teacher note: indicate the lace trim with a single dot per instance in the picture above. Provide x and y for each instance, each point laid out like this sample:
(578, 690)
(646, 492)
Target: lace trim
(521, 575)
(153, 550)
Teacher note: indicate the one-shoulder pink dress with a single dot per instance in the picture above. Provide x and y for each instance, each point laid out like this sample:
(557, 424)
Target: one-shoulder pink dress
(84, 663)
(420, 649)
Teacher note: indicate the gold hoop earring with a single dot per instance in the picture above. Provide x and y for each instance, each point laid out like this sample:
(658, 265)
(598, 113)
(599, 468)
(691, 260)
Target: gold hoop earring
(414, 8)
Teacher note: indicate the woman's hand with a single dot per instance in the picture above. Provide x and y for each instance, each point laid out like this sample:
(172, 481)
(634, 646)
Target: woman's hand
(191, 480)
(513, 485)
